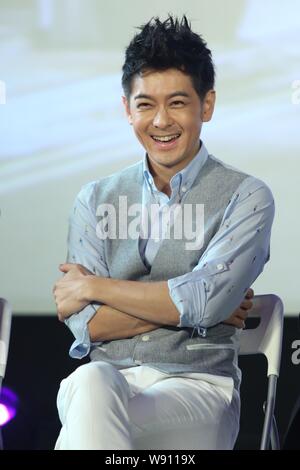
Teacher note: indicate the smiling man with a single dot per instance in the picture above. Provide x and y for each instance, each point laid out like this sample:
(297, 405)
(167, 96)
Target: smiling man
(160, 317)
(167, 115)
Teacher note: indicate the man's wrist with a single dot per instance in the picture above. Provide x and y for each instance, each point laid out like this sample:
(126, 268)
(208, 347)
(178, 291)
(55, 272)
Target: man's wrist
(89, 288)
(92, 288)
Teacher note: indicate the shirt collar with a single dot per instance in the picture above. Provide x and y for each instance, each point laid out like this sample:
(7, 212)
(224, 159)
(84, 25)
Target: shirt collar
(186, 176)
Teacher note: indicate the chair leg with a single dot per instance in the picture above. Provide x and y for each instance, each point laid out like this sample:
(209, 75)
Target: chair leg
(269, 406)
(275, 440)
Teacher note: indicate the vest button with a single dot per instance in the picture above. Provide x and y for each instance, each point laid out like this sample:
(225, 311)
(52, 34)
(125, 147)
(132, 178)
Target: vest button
(220, 266)
(145, 338)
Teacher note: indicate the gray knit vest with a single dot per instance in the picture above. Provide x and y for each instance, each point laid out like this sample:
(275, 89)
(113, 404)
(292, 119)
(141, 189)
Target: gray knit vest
(170, 349)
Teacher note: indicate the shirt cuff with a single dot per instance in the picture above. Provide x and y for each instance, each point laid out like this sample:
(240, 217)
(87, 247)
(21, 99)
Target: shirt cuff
(181, 289)
(78, 324)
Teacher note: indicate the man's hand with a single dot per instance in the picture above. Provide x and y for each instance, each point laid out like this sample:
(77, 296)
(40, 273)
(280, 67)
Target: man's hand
(72, 270)
(69, 291)
(238, 317)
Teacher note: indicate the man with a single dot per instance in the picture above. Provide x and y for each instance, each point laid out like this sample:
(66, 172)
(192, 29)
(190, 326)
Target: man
(176, 387)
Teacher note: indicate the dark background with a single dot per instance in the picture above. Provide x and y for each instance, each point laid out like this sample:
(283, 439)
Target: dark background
(38, 360)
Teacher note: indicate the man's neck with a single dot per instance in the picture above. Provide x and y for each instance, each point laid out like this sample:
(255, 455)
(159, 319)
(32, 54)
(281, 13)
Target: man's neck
(162, 175)
(162, 178)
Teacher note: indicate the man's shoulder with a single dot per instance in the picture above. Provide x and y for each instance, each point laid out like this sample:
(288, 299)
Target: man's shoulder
(248, 181)
(92, 190)
(216, 162)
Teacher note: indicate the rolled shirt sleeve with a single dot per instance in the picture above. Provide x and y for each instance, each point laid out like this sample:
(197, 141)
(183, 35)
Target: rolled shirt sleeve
(234, 258)
(84, 247)
(78, 324)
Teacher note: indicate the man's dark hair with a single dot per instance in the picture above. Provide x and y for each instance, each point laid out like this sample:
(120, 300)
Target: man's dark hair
(169, 44)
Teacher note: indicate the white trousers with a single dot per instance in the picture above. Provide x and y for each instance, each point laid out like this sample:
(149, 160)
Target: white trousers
(101, 407)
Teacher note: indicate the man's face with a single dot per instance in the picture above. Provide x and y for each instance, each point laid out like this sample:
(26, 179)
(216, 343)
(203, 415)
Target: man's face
(167, 116)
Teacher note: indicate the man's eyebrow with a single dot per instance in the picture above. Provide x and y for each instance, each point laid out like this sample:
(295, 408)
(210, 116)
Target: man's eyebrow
(172, 95)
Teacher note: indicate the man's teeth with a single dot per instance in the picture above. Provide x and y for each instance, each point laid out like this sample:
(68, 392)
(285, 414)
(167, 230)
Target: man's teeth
(165, 138)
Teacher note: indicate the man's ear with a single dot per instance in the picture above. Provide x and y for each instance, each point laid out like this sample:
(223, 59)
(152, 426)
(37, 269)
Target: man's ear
(208, 105)
(127, 109)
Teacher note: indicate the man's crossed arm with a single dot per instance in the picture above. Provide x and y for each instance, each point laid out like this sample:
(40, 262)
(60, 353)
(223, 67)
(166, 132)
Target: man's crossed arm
(130, 307)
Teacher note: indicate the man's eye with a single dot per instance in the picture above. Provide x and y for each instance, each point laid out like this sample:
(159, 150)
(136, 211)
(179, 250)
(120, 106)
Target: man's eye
(143, 105)
(177, 103)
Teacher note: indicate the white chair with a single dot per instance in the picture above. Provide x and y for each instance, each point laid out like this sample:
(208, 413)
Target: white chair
(266, 339)
(5, 323)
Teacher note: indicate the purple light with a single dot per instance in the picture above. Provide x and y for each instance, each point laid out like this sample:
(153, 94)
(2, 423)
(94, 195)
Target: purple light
(6, 414)
(8, 405)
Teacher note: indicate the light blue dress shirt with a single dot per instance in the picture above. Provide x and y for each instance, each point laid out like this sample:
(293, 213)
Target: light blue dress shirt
(223, 273)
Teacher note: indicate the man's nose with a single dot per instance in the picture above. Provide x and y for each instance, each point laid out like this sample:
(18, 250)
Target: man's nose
(162, 119)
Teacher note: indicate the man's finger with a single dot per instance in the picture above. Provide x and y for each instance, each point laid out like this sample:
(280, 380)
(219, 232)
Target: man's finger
(238, 323)
(242, 314)
(65, 267)
(246, 304)
(60, 317)
(249, 293)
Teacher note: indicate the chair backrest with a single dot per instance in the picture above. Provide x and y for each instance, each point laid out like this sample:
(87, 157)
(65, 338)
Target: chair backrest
(266, 338)
(5, 323)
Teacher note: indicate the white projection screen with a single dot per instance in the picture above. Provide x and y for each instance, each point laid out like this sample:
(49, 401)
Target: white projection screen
(62, 123)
